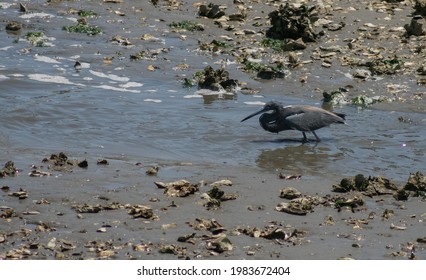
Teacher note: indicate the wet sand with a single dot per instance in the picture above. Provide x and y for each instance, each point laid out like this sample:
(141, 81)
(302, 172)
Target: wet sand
(116, 211)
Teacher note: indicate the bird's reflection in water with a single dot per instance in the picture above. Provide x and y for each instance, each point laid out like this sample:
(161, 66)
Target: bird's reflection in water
(301, 159)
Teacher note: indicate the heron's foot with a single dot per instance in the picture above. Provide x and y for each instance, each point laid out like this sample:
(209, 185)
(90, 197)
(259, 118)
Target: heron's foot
(306, 140)
(316, 136)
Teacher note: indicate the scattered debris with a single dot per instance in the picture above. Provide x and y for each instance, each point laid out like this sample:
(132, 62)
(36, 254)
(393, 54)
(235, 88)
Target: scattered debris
(416, 184)
(152, 171)
(8, 169)
(21, 194)
(141, 211)
(216, 80)
(370, 186)
(180, 188)
(290, 193)
(293, 22)
(211, 11)
(187, 25)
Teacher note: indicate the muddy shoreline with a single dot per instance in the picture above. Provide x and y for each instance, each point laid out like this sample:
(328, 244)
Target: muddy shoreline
(115, 209)
(79, 205)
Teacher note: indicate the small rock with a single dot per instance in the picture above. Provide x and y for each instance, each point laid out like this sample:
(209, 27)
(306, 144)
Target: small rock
(13, 26)
(83, 164)
(417, 26)
(420, 7)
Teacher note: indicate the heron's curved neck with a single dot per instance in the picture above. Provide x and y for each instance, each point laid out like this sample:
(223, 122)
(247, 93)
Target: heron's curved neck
(268, 121)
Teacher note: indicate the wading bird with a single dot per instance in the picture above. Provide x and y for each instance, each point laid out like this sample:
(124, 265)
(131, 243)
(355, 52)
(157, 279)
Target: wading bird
(304, 118)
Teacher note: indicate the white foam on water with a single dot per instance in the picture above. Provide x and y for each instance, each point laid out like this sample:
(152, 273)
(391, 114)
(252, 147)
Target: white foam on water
(109, 76)
(254, 103)
(45, 59)
(131, 84)
(3, 77)
(6, 48)
(117, 89)
(153, 100)
(193, 96)
(33, 15)
(72, 19)
(5, 5)
(51, 79)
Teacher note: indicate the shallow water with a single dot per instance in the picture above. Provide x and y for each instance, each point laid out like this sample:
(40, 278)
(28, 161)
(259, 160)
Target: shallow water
(121, 108)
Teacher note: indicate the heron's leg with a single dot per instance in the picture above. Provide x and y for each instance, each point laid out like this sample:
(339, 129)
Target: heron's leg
(316, 136)
(305, 139)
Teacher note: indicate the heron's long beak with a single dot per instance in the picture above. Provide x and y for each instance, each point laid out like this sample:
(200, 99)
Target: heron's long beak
(254, 114)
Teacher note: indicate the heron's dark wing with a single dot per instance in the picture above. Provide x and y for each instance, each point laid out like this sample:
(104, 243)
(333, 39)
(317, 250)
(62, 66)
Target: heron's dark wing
(309, 118)
(298, 121)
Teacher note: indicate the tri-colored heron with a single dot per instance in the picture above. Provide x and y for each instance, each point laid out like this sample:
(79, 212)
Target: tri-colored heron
(303, 118)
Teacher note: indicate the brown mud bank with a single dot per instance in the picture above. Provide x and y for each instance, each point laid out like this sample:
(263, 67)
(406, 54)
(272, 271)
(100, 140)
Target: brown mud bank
(116, 208)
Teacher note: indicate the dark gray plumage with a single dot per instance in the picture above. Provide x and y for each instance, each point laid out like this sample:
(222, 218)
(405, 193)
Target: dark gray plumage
(304, 118)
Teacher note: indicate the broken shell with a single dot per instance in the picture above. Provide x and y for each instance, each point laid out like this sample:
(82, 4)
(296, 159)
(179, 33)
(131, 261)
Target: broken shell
(52, 243)
(141, 211)
(102, 229)
(220, 245)
(288, 208)
(211, 11)
(168, 226)
(387, 214)
(38, 173)
(179, 183)
(172, 249)
(329, 221)
(142, 247)
(186, 238)
(278, 233)
(106, 254)
(180, 188)
(30, 213)
(290, 193)
(221, 183)
(86, 208)
(349, 202)
(392, 226)
(21, 194)
(416, 183)
(152, 170)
